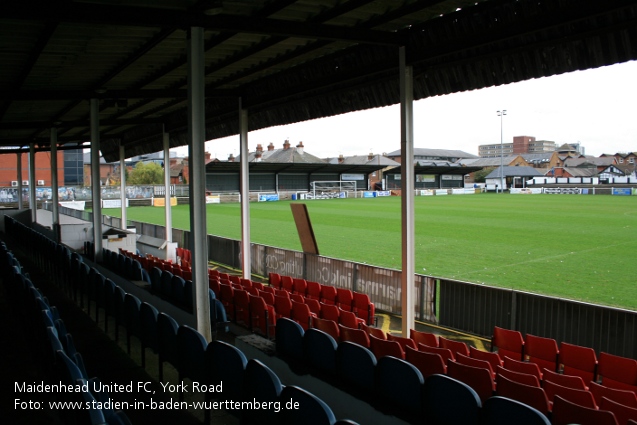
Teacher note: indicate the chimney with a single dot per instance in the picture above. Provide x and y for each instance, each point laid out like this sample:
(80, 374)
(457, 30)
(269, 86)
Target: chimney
(341, 159)
(231, 158)
(370, 156)
(259, 148)
(286, 144)
(299, 148)
(270, 147)
(257, 155)
(207, 156)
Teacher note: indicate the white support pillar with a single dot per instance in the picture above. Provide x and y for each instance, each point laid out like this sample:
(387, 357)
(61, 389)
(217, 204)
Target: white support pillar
(33, 203)
(95, 179)
(407, 193)
(19, 170)
(196, 147)
(122, 184)
(246, 257)
(55, 199)
(168, 208)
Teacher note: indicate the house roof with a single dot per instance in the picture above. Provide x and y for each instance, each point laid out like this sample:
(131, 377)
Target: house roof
(581, 172)
(437, 167)
(364, 159)
(437, 153)
(487, 162)
(285, 60)
(589, 161)
(289, 155)
(513, 171)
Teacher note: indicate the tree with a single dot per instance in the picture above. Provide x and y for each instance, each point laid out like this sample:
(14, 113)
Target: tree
(146, 173)
(479, 176)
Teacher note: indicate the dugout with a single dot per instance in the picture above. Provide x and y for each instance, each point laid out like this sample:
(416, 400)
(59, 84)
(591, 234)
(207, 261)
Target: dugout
(224, 177)
(432, 175)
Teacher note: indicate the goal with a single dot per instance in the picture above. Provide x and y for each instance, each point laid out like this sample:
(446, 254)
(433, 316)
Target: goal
(331, 189)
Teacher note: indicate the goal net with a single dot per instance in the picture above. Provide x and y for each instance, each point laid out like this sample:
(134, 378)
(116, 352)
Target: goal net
(331, 189)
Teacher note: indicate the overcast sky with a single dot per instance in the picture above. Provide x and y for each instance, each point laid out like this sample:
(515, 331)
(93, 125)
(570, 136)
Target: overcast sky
(595, 107)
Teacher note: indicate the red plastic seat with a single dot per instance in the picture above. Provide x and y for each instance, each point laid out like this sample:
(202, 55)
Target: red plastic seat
(262, 317)
(454, 346)
(330, 312)
(570, 381)
(617, 372)
(313, 290)
(470, 361)
(242, 307)
(627, 398)
(566, 412)
(344, 299)
(275, 280)
(330, 327)
(622, 413)
(581, 397)
(349, 319)
(523, 367)
(427, 363)
(328, 295)
(299, 286)
(579, 361)
(281, 293)
(287, 283)
(364, 308)
(246, 283)
(541, 351)
(404, 342)
(522, 378)
(532, 396)
(268, 297)
(478, 378)
(301, 314)
(371, 330)
(383, 347)
(508, 343)
(357, 336)
(297, 297)
(493, 358)
(315, 306)
(424, 338)
(226, 295)
(283, 307)
(445, 353)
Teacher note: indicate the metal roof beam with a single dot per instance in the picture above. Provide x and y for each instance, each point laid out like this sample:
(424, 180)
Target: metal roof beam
(100, 14)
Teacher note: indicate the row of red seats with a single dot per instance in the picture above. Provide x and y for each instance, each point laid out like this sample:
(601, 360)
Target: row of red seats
(283, 304)
(347, 300)
(487, 374)
(612, 371)
(185, 256)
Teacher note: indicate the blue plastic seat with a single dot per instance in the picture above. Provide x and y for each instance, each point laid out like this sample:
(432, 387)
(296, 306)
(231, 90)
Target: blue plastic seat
(191, 354)
(148, 329)
(399, 386)
(131, 318)
(289, 339)
(356, 366)
(312, 410)
(262, 384)
(503, 411)
(319, 351)
(167, 341)
(450, 402)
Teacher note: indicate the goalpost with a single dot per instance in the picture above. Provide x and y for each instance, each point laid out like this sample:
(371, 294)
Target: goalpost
(331, 189)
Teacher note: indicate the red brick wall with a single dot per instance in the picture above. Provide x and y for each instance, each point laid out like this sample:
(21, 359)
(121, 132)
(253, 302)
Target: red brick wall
(9, 168)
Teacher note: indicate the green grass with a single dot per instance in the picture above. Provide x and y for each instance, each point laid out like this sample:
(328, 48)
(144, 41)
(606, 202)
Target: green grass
(576, 247)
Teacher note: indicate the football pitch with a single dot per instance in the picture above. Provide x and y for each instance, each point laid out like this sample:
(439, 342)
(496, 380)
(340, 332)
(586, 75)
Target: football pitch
(575, 247)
